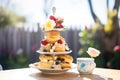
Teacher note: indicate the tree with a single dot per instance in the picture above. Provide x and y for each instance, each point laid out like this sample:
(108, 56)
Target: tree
(109, 34)
(8, 17)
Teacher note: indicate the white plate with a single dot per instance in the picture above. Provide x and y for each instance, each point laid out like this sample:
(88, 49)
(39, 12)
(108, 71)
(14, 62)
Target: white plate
(51, 71)
(58, 29)
(38, 51)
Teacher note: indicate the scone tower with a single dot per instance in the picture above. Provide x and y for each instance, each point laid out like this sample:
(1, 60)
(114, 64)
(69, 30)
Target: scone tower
(54, 46)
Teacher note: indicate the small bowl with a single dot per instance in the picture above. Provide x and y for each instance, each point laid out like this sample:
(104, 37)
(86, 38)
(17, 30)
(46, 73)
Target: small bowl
(85, 65)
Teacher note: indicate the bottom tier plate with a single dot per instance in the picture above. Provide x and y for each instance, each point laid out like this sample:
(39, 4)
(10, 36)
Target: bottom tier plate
(51, 71)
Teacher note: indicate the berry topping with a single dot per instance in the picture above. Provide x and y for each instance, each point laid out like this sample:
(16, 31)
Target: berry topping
(44, 42)
(52, 18)
(61, 26)
(57, 63)
(60, 41)
(58, 24)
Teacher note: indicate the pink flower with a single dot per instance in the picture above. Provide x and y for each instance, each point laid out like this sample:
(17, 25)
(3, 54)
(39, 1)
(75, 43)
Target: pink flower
(117, 48)
(93, 52)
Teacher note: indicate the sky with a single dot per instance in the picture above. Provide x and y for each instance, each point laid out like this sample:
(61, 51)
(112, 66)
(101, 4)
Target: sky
(74, 12)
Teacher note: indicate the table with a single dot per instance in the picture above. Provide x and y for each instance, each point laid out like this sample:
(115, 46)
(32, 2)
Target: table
(34, 74)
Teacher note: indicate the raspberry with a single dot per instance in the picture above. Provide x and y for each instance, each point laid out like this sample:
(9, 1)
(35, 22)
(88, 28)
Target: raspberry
(60, 41)
(44, 42)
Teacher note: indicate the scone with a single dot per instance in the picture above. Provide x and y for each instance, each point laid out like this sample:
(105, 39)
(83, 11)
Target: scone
(65, 58)
(46, 61)
(45, 65)
(65, 65)
(52, 36)
(45, 57)
(45, 46)
(59, 48)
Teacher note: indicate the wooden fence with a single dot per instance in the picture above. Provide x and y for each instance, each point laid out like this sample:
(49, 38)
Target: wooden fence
(13, 39)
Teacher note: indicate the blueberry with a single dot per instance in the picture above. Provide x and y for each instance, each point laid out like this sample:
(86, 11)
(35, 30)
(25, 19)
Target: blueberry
(57, 63)
(60, 59)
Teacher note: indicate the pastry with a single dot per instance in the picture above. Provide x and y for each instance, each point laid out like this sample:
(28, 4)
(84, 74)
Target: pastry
(45, 65)
(45, 57)
(46, 61)
(52, 36)
(45, 46)
(65, 65)
(59, 48)
(65, 58)
(56, 66)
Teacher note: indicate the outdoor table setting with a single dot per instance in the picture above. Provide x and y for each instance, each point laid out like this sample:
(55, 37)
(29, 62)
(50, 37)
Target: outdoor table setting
(55, 61)
(72, 74)
(84, 69)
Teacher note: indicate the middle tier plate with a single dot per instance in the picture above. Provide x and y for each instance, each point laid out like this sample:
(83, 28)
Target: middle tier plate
(67, 52)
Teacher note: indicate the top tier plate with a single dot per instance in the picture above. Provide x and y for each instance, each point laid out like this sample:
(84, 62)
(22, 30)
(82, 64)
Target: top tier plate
(67, 52)
(58, 29)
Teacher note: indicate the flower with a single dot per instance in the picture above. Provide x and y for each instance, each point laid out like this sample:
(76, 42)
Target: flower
(93, 52)
(117, 48)
(53, 23)
(50, 24)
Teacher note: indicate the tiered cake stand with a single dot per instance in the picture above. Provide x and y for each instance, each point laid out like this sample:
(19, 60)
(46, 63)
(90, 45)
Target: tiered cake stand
(52, 71)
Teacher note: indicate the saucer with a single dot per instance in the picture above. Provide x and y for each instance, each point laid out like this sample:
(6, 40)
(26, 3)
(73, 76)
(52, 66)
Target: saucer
(51, 71)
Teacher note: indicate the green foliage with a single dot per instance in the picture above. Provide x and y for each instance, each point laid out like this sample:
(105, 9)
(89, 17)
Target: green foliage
(8, 17)
(20, 61)
(88, 39)
(114, 62)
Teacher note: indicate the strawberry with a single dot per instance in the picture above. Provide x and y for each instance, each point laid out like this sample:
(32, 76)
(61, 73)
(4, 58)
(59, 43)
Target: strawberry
(44, 42)
(60, 41)
(61, 26)
(57, 26)
(52, 18)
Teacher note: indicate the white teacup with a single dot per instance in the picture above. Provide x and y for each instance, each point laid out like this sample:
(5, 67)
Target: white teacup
(85, 65)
